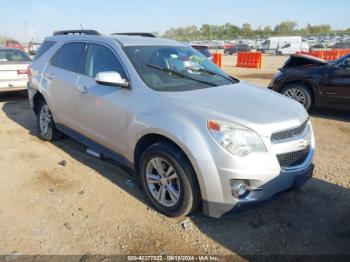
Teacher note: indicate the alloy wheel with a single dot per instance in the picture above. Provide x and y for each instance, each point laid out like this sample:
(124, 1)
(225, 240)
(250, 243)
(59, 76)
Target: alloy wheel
(296, 94)
(45, 119)
(163, 182)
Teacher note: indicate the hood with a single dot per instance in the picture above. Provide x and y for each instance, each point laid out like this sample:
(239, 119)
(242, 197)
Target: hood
(255, 107)
(304, 60)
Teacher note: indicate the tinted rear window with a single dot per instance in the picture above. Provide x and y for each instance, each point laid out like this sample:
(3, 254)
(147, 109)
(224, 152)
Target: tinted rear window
(9, 55)
(69, 57)
(44, 48)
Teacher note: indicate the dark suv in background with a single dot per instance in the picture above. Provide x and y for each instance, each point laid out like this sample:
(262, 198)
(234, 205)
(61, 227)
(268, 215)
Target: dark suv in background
(314, 82)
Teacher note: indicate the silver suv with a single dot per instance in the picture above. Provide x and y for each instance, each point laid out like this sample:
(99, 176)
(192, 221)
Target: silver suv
(193, 134)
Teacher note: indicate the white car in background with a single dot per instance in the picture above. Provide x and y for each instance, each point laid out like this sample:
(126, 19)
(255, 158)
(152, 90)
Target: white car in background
(14, 65)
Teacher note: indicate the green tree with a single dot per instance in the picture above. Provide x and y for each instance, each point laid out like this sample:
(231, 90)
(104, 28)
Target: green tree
(246, 29)
(206, 31)
(285, 28)
(268, 30)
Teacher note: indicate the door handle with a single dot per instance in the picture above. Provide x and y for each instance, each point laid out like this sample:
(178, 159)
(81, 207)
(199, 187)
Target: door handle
(83, 89)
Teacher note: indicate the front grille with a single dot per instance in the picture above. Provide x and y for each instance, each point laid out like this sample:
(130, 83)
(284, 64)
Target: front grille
(293, 158)
(289, 133)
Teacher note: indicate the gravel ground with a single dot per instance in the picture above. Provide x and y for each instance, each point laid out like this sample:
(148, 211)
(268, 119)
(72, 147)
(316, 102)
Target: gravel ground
(55, 199)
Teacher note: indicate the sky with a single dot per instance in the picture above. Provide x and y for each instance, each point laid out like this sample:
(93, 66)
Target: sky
(27, 19)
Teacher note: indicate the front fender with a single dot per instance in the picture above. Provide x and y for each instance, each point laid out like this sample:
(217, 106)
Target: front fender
(187, 131)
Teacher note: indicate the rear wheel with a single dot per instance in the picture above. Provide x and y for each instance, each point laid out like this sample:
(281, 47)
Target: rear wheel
(168, 180)
(299, 93)
(46, 126)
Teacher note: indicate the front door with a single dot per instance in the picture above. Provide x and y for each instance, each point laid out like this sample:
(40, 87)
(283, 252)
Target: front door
(102, 109)
(338, 83)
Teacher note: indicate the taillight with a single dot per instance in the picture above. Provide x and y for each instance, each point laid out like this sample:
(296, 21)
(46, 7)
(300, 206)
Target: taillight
(23, 72)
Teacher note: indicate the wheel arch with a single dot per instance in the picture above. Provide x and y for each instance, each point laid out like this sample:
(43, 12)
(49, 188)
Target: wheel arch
(37, 99)
(149, 139)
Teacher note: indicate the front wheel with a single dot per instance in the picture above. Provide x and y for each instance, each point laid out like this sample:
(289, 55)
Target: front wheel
(168, 180)
(46, 125)
(299, 93)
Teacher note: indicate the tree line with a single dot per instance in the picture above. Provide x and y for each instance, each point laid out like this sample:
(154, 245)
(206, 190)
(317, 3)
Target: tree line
(230, 31)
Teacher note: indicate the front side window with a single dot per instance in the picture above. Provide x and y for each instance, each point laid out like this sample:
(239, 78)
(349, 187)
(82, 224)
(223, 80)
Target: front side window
(69, 57)
(175, 68)
(266, 44)
(344, 60)
(100, 59)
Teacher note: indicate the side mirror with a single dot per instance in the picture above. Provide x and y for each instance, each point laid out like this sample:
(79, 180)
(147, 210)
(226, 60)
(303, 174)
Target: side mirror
(111, 78)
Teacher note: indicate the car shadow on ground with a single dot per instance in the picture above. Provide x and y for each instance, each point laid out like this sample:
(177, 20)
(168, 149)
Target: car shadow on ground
(310, 221)
(331, 114)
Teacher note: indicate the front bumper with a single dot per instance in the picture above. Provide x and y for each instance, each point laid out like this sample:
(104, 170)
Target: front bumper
(285, 181)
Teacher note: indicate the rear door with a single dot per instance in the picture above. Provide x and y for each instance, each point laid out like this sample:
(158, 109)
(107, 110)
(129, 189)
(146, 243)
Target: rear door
(338, 83)
(102, 110)
(61, 77)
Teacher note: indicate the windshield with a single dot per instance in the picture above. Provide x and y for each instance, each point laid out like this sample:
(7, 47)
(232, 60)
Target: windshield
(175, 68)
(341, 60)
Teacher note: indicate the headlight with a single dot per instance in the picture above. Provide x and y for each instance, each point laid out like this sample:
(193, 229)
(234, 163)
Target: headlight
(236, 139)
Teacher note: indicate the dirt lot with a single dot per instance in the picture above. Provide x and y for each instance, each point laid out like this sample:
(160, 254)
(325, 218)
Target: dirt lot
(55, 199)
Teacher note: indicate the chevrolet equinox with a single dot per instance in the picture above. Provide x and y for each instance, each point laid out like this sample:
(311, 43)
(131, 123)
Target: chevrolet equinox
(194, 135)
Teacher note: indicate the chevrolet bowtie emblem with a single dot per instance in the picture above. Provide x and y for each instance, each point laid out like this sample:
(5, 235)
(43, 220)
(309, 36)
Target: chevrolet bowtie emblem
(304, 144)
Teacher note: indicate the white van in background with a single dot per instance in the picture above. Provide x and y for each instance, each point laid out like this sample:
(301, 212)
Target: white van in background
(284, 45)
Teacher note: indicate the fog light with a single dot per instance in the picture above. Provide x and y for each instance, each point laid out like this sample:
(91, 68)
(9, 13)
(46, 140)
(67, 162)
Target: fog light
(239, 188)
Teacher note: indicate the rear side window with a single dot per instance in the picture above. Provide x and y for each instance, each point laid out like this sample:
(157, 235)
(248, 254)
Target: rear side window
(100, 59)
(13, 55)
(43, 49)
(69, 57)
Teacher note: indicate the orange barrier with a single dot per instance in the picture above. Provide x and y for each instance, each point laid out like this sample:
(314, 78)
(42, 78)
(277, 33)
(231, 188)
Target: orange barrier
(217, 58)
(318, 54)
(328, 55)
(343, 52)
(249, 59)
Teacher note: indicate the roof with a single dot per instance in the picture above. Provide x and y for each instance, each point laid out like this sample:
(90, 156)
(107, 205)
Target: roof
(140, 40)
(124, 40)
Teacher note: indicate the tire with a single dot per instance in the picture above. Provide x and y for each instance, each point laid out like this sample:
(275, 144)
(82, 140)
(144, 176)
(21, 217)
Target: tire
(184, 186)
(300, 93)
(279, 53)
(46, 125)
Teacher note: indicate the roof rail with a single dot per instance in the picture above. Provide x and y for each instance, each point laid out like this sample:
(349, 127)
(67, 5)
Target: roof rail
(136, 34)
(76, 32)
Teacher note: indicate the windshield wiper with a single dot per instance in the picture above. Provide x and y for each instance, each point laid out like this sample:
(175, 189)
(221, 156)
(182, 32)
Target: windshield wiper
(167, 70)
(199, 69)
